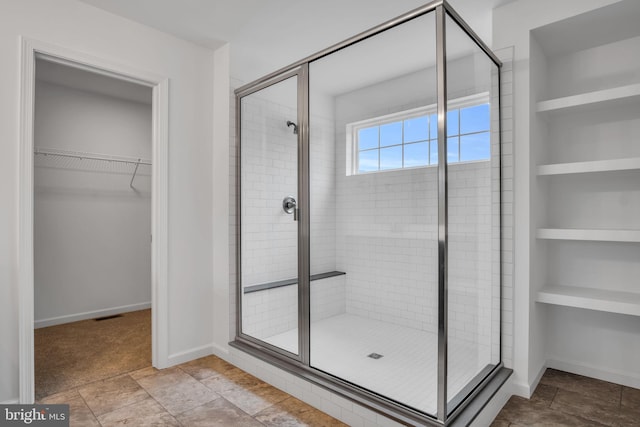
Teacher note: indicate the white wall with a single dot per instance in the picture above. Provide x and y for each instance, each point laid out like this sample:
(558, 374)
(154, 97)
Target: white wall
(92, 231)
(190, 70)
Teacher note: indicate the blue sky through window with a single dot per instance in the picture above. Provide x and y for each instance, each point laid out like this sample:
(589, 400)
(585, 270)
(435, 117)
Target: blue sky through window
(413, 142)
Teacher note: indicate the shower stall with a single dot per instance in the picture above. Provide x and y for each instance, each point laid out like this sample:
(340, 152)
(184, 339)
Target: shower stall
(369, 217)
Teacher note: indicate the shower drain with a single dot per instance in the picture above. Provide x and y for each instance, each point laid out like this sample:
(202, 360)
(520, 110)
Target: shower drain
(375, 356)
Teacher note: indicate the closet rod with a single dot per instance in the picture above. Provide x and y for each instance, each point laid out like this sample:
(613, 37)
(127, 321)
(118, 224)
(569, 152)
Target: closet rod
(92, 157)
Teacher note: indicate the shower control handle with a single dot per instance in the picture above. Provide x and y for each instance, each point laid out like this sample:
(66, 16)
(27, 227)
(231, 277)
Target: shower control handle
(290, 206)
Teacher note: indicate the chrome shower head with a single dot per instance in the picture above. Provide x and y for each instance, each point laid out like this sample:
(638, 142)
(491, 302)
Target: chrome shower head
(295, 126)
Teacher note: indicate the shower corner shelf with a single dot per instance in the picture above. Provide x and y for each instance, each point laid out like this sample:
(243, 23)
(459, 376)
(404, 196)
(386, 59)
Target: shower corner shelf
(588, 100)
(591, 299)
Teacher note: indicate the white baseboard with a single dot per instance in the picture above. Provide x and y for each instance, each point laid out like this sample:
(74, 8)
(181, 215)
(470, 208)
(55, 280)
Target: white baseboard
(90, 315)
(191, 354)
(220, 351)
(10, 402)
(495, 405)
(536, 380)
(618, 377)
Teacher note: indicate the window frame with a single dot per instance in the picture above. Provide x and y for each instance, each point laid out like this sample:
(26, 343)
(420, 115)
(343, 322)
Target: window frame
(352, 129)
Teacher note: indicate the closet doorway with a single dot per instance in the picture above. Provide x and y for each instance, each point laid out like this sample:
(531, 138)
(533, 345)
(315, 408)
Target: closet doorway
(92, 227)
(93, 210)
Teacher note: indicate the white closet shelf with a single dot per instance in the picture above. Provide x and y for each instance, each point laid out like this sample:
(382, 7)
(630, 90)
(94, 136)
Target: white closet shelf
(589, 234)
(588, 167)
(592, 299)
(591, 99)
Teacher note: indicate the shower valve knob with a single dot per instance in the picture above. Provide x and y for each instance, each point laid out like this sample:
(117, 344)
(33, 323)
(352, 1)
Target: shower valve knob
(289, 205)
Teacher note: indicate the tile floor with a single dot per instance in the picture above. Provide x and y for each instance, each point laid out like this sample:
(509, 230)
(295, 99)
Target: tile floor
(103, 371)
(564, 399)
(204, 392)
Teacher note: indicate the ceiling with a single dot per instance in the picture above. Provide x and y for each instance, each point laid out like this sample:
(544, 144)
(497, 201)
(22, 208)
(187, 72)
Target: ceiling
(266, 35)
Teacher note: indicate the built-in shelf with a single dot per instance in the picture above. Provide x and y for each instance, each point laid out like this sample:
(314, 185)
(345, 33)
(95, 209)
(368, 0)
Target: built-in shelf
(598, 98)
(588, 167)
(589, 234)
(592, 299)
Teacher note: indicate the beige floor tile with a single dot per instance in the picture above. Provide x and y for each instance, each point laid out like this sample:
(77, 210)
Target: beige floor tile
(544, 394)
(177, 391)
(108, 395)
(629, 417)
(141, 414)
(597, 389)
(254, 399)
(206, 367)
(292, 412)
(144, 372)
(231, 379)
(79, 413)
(586, 407)
(525, 412)
(631, 398)
(218, 413)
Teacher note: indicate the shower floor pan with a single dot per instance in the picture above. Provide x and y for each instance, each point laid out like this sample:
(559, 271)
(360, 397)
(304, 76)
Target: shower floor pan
(407, 370)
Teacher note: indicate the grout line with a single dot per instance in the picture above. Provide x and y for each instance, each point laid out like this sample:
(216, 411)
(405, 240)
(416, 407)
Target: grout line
(554, 396)
(87, 405)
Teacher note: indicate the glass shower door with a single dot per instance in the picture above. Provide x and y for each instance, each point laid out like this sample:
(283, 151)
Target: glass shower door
(268, 251)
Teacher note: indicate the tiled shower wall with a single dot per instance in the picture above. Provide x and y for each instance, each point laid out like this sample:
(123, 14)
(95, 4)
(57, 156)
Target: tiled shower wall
(274, 311)
(269, 235)
(387, 239)
(270, 165)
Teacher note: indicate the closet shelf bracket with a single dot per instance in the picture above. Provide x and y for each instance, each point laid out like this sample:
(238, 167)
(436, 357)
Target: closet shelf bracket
(135, 171)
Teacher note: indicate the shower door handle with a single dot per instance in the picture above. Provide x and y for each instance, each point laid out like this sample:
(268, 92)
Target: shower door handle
(290, 206)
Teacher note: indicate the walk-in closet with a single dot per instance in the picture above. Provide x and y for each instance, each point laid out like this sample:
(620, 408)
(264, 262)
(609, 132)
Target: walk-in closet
(92, 226)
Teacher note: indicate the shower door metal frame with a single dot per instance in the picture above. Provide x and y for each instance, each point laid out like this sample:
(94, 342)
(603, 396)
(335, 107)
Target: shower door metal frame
(300, 73)
(300, 365)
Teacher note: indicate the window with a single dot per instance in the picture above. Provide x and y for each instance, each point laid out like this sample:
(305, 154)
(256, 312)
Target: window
(410, 138)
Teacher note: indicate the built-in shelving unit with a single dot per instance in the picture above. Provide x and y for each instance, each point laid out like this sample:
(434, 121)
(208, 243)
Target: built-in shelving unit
(592, 299)
(589, 167)
(596, 99)
(584, 82)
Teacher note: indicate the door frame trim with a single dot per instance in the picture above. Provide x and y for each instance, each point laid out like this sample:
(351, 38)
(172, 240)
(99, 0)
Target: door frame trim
(30, 49)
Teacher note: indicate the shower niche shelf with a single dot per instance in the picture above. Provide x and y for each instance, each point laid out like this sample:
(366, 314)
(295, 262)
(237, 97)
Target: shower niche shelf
(590, 167)
(598, 235)
(591, 299)
(591, 100)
